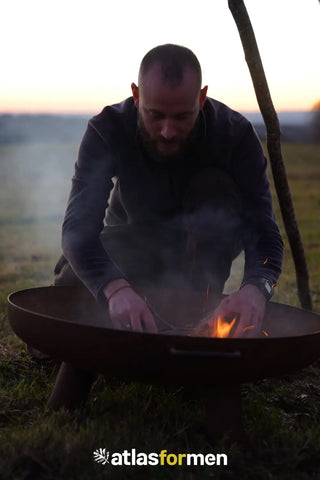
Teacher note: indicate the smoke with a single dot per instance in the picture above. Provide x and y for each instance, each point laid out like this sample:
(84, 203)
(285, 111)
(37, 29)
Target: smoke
(37, 155)
(36, 165)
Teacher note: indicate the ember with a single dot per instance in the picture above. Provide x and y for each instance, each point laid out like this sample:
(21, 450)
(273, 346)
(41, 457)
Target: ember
(207, 298)
(208, 289)
(249, 327)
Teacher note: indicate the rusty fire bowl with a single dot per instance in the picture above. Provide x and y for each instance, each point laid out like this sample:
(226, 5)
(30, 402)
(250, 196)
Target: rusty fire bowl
(68, 324)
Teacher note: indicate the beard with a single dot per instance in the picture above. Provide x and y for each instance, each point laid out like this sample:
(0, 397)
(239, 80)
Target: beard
(150, 145)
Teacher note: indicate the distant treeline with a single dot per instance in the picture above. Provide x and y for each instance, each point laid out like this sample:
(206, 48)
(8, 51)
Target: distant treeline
(289, 133)
(70, 128)
(41, 128)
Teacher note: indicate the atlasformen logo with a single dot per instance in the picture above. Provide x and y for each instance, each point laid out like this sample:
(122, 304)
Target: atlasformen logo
(132, 458)
(101, 456)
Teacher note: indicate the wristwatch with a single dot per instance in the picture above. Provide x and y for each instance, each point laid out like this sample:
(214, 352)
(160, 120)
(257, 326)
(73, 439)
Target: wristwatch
(265, 286)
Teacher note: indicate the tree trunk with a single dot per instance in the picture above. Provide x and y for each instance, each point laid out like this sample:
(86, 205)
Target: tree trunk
(252, 56)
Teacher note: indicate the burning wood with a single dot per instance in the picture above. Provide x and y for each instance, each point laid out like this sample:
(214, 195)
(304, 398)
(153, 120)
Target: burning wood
(221, 327)
(218, 328)
(210, 327)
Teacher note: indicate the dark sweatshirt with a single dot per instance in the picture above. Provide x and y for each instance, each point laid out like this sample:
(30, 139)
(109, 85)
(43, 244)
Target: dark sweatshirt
(147, 192)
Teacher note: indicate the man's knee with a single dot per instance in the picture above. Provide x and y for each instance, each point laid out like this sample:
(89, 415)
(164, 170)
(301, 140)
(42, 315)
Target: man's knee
(64, 276)
(214, 188)
(213, 206)
(212, 220)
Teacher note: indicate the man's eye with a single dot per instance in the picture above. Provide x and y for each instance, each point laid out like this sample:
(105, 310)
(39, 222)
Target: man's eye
(155, 115)
(183, 116)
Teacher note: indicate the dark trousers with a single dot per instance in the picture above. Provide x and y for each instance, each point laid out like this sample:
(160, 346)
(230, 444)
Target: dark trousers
(193, 250)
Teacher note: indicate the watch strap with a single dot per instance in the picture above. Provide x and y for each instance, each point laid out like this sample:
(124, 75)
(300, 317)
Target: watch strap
(263, 284)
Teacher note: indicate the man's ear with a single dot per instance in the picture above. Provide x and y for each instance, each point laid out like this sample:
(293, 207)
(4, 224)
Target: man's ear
(203, 96)
(135, 94)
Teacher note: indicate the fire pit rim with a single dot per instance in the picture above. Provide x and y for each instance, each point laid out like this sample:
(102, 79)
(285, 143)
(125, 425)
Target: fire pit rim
(173, 336)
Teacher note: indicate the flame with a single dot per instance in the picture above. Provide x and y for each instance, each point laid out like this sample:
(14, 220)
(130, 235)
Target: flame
(266, 261)
(221, 328)
(265, 333)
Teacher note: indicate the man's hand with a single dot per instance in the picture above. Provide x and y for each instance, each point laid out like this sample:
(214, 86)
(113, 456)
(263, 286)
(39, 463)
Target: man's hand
(127, 309)
(249, 304)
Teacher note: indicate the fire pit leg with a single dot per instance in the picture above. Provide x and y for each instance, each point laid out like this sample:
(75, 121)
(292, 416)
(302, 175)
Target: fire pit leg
(223, 412)
(71, 388)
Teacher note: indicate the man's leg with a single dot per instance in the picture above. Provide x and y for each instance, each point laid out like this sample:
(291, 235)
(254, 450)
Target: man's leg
(149, 255)
(64, 276)
(72, 385)
(212, 220)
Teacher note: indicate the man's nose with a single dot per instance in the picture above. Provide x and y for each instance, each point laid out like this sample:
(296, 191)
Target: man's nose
(168, 129)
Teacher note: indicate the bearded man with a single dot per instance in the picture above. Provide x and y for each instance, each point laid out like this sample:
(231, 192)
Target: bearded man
(183, 180)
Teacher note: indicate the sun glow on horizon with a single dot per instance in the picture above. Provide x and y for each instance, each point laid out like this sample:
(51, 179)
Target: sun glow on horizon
(89, 106)
(84, 59)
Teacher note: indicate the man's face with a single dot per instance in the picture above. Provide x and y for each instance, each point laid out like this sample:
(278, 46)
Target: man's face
(168, 115)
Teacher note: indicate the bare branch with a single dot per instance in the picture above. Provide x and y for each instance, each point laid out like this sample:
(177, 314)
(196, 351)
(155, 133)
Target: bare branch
(253, 59)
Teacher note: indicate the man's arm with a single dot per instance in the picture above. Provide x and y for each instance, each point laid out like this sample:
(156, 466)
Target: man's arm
(82, 225)
(263, 244)
(83, 221)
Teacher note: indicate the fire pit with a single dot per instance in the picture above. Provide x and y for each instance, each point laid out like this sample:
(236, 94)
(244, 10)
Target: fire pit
(68, 324)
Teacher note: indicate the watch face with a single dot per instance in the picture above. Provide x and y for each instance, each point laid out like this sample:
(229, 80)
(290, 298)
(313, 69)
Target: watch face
(268, 286)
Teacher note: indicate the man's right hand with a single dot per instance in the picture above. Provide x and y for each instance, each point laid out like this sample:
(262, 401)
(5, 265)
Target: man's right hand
(127, 309)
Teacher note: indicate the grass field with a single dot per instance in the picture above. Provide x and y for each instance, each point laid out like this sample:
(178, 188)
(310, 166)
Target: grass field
(281, 416)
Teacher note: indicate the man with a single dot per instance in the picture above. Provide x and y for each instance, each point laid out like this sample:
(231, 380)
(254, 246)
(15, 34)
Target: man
(190, 191)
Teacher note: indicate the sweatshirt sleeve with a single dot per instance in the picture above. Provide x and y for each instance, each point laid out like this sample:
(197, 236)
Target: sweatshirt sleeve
(84, 217)
(262, 241)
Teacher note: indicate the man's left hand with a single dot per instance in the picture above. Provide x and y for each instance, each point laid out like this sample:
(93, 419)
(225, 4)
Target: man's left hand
(249, 305)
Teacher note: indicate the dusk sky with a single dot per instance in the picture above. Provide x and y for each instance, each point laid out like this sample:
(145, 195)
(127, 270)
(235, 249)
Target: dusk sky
(77, 56)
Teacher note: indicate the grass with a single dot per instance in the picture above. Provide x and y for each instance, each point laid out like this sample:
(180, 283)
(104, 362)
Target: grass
(281, 416)
(302, 163)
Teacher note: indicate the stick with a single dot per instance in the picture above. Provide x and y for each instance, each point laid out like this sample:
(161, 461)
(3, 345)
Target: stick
(253, 59)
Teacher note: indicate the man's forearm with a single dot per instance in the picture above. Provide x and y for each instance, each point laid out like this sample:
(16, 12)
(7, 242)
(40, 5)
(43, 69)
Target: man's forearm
(114, 286)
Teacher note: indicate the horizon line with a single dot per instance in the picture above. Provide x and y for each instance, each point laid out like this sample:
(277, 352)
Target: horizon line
(94, 112)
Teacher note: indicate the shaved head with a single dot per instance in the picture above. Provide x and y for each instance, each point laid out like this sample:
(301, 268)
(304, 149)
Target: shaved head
(173, 61)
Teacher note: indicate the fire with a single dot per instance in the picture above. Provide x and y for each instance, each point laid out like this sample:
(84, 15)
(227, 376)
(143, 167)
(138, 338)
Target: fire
(221, 328)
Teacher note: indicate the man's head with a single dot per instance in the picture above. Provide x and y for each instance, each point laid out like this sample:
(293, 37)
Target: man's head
(168, 98)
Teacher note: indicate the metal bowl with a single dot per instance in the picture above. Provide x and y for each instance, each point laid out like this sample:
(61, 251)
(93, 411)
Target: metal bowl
(67, 323)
